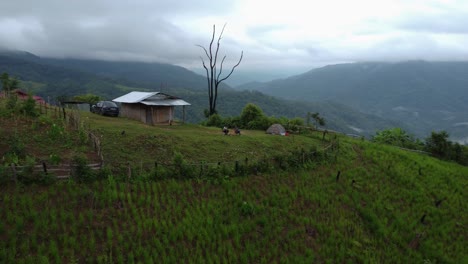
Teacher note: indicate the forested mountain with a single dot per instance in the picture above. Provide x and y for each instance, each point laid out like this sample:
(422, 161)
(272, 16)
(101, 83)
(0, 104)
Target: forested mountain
(51, 78)
(153, 74)
(424, 95)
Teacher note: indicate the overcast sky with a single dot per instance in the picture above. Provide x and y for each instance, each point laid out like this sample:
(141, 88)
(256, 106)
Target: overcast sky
(278, 38)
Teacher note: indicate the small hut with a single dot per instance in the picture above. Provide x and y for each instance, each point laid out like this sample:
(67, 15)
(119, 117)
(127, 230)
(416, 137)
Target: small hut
(150, 107)
(276, 129)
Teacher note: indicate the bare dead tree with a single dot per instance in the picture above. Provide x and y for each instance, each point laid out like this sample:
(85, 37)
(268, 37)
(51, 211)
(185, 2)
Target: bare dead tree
(213, 74)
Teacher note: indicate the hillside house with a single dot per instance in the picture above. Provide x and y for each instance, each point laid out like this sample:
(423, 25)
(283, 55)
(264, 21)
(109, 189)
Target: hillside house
(151, 108)
(24, 96)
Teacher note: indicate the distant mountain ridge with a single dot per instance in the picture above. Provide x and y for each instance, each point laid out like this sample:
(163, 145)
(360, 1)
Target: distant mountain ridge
(68, 77)
(424, 95)
(153, 74)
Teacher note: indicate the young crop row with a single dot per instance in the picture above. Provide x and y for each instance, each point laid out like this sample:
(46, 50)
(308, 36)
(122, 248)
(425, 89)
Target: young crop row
(371, 205)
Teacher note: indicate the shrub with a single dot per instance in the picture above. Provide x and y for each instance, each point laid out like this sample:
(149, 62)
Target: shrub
(294, 123)
(251, 113)
(260, 123)
(46, 179)
(247, 209)
(5, 174)
(80, 170)
(29, 107)
(214, 120)
(26, 174)
(56, 131)
(181, 170)
(54, 159)
(11, 103)
(17, 147)
(232, 122)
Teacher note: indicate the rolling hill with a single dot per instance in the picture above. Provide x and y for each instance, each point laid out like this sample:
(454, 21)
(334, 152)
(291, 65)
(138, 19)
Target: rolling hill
(425, 96)
(263, 199)
(52, 78)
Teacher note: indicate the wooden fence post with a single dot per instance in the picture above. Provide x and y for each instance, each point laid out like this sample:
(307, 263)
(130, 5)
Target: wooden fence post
(129, 173)
(44, 167)
(156, 169)
(63, 111)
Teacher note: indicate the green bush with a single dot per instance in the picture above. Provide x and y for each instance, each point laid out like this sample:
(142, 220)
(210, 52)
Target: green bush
(80, 170)
(181, 170)
(26, 174)
(17, 147)
(252, 117)
(56, 131)
(54, 159)
(247, 209)
(214, 120)
(46, 178)
(29, 107)
(294, 123)
(5, 174)
(260, 123)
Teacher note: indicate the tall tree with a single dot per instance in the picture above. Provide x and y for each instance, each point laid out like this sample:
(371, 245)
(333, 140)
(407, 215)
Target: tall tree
(214, 69)
(8, 84)
(438, 144)
(318, 120)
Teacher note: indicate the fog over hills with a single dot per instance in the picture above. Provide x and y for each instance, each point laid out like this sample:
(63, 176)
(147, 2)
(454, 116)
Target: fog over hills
(424, 95)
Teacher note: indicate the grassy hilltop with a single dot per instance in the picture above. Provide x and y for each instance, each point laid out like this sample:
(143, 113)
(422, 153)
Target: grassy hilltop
(359, 203)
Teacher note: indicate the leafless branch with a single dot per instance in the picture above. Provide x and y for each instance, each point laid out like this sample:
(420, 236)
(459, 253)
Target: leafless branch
(206, 52)
(233, 68)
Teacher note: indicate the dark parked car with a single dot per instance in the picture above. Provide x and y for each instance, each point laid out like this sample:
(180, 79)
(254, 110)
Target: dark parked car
(105, 108)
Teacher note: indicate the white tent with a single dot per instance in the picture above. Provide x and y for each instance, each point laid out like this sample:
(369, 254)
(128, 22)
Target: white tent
(276, 129)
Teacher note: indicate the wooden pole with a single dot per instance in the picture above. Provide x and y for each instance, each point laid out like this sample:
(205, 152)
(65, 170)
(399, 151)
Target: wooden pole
(183, 114)
(44, 167)
(129, 171)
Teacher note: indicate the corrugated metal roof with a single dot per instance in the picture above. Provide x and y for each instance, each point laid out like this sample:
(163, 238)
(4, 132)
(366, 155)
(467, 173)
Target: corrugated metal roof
(167, 102)
(150, 98)
(134, 97)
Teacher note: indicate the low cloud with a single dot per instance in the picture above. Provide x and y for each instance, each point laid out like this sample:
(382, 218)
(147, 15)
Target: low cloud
(168, 31)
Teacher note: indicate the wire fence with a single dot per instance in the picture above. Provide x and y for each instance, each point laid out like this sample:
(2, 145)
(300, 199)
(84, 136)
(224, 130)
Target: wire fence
(182, 169)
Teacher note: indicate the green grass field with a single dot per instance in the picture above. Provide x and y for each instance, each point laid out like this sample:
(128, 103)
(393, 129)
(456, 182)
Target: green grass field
(386, 206)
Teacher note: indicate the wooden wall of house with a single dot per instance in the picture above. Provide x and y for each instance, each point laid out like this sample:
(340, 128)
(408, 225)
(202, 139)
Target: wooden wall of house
(162, 114)
(133, 111)
(150, 115)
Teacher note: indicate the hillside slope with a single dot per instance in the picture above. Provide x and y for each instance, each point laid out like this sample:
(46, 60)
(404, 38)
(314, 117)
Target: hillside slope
(365, 203)
(424, 95)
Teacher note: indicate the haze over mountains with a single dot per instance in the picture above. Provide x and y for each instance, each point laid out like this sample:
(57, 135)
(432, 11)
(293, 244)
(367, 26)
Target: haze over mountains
(357, 98)
(424, 95)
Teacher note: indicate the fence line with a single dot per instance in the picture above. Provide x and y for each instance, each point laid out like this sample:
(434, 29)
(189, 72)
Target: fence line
(64, 170)
(72, 120)
(254, 166)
